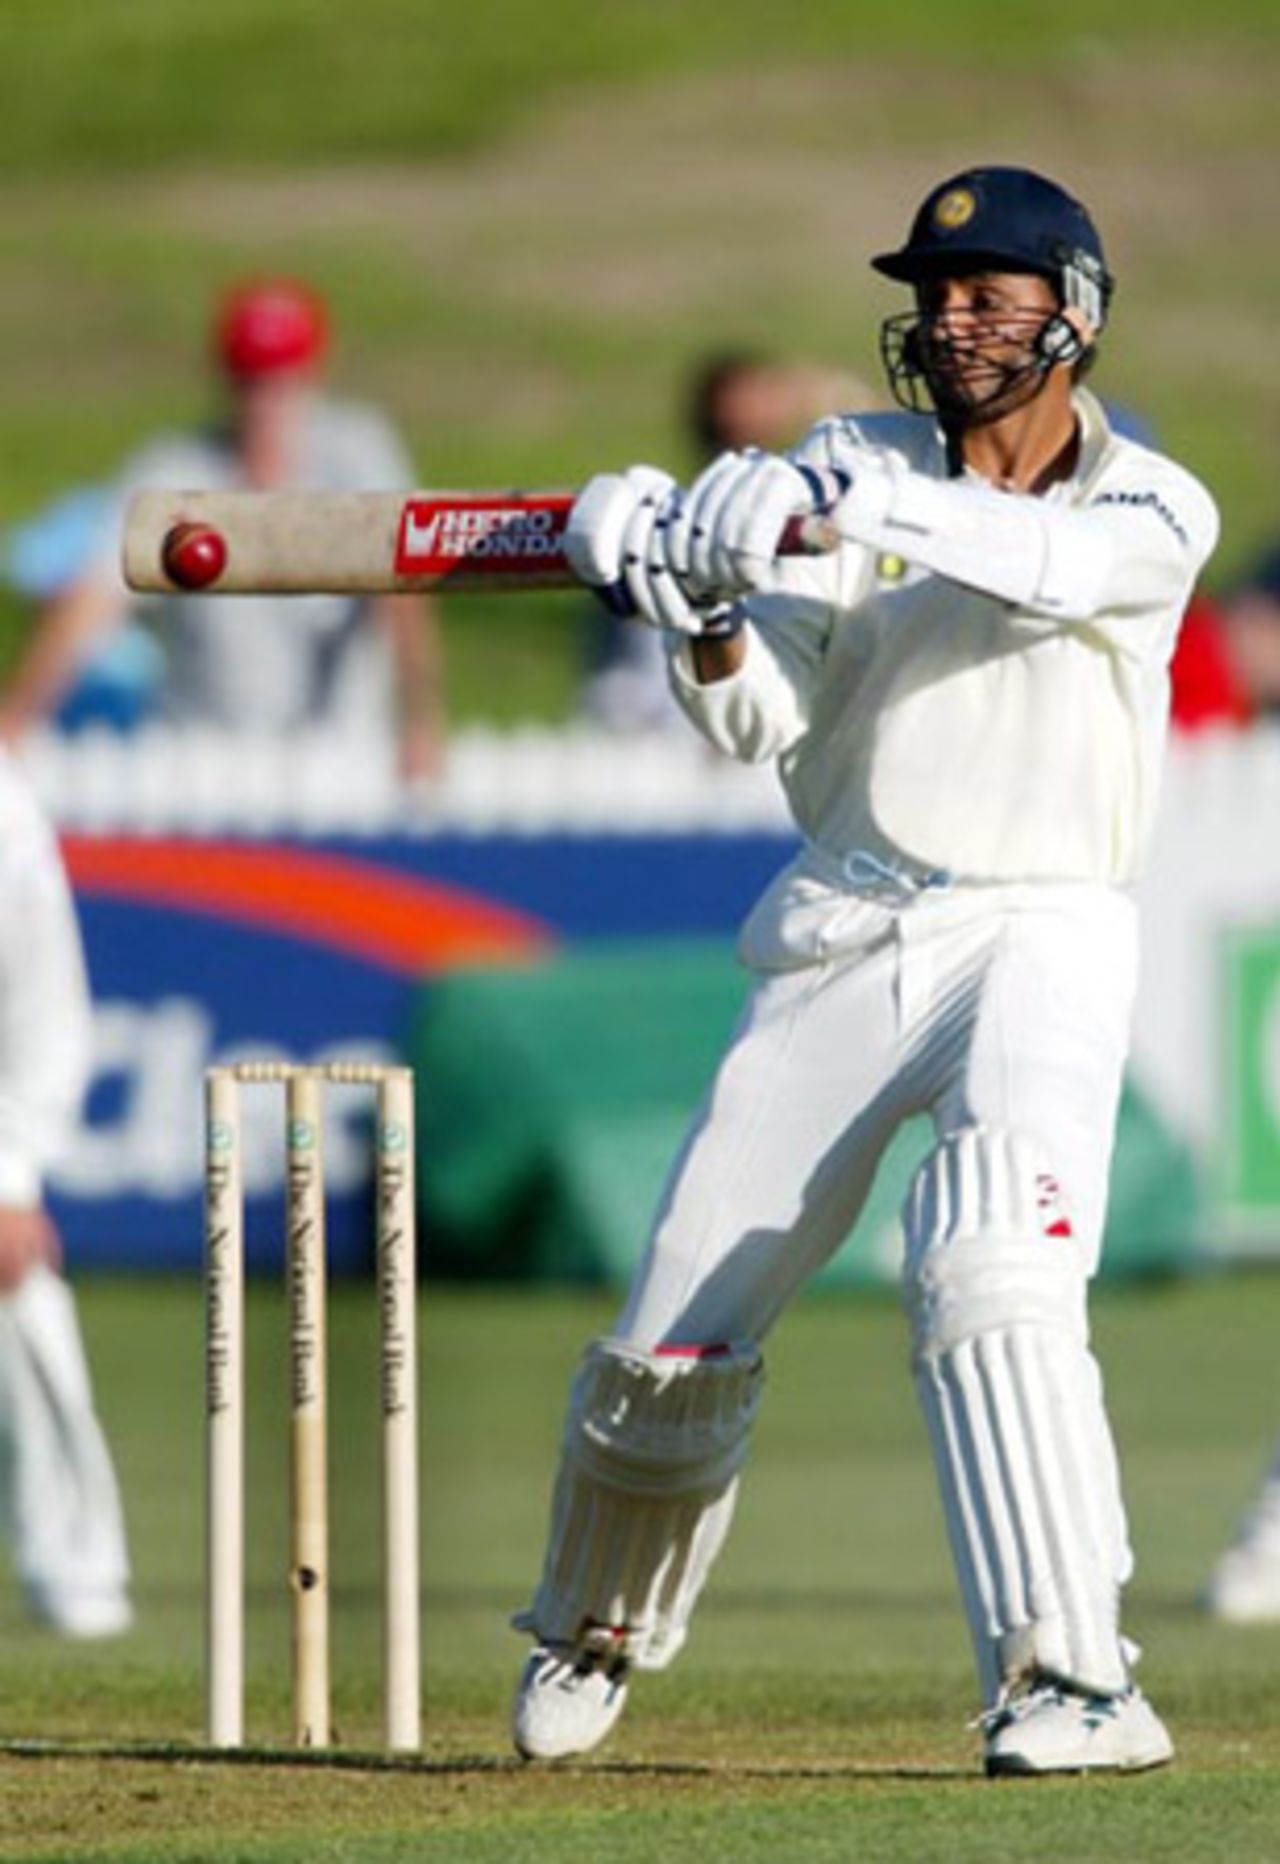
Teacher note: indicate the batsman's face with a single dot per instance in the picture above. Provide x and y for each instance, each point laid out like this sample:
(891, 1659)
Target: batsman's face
(978, 338)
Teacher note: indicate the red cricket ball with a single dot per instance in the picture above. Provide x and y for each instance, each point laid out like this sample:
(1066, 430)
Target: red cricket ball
(193, 555)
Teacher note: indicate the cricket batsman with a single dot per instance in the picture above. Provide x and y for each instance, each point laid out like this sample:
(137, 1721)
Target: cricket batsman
(966, 703)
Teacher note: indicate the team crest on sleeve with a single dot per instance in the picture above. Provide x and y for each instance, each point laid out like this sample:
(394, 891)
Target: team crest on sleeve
(955, 209)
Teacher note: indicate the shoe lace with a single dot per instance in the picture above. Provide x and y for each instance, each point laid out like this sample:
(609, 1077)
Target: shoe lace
(579, 1661)
(1099, 1709)
(1020, 1698)
(1017, 1698)
(604, 1647)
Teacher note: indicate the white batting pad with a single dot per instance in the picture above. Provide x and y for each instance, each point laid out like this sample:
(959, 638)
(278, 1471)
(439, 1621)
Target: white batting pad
(645, 1493)
(59, 1501)
(1013, 1401)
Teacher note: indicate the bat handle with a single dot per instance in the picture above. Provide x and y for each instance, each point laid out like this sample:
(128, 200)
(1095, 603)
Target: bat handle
(812, 533)
(812, 536)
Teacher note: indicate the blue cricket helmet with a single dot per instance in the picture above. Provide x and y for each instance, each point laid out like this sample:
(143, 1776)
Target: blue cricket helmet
(1009, 219)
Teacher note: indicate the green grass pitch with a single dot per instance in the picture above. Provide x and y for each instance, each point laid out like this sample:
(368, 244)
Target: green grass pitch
(821, 1709)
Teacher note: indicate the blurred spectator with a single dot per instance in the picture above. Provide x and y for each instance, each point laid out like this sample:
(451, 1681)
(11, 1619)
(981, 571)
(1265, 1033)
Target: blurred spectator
(1206, 688)
(741, 399)
(1227, 666)
(1251, 619)
(118, 683)
(363, 667)
(59, 1504)
(734, 399)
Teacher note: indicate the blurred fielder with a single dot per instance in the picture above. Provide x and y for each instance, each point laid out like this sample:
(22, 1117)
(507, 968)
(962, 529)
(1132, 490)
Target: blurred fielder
(59, 1504)
(967, 703)
(1244, 1586)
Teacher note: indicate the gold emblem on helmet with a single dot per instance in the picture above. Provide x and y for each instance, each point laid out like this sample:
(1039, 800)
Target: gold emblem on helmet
(955, 209)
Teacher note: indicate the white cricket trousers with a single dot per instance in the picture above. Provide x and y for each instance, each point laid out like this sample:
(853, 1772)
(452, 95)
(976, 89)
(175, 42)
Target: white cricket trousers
(1003, 1006)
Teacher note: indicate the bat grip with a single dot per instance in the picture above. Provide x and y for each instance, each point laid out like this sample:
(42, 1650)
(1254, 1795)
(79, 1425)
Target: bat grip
(812, 536)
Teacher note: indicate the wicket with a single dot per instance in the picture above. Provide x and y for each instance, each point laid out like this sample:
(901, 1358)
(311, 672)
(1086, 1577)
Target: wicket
(224, 1397)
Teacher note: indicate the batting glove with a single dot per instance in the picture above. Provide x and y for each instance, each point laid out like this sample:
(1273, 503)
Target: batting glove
(597, 527)
(616, 541)
(727, 535)
(659, 592)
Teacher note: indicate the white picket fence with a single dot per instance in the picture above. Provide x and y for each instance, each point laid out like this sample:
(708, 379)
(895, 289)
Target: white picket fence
(532, 781)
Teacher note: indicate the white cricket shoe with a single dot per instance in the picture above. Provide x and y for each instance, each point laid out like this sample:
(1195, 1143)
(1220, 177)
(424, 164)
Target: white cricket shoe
(1052, 1729)
(1244, 1587)
(567, 1700)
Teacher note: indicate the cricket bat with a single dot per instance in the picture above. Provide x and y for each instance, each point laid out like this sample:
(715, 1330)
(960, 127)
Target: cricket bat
(366, 543)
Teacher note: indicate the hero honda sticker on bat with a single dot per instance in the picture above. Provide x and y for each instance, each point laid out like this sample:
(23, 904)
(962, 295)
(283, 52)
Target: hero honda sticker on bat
(519, 535)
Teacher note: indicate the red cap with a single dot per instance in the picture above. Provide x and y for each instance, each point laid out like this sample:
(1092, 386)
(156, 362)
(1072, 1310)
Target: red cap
(270, 324)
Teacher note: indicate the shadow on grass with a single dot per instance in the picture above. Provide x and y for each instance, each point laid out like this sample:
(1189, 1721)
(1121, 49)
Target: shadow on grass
(728, 1602)
(353, 1760)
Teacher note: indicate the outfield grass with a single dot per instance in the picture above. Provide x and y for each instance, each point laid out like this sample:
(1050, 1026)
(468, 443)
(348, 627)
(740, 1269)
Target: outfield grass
(282, 81)
(821, 1708)
(530, 228)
